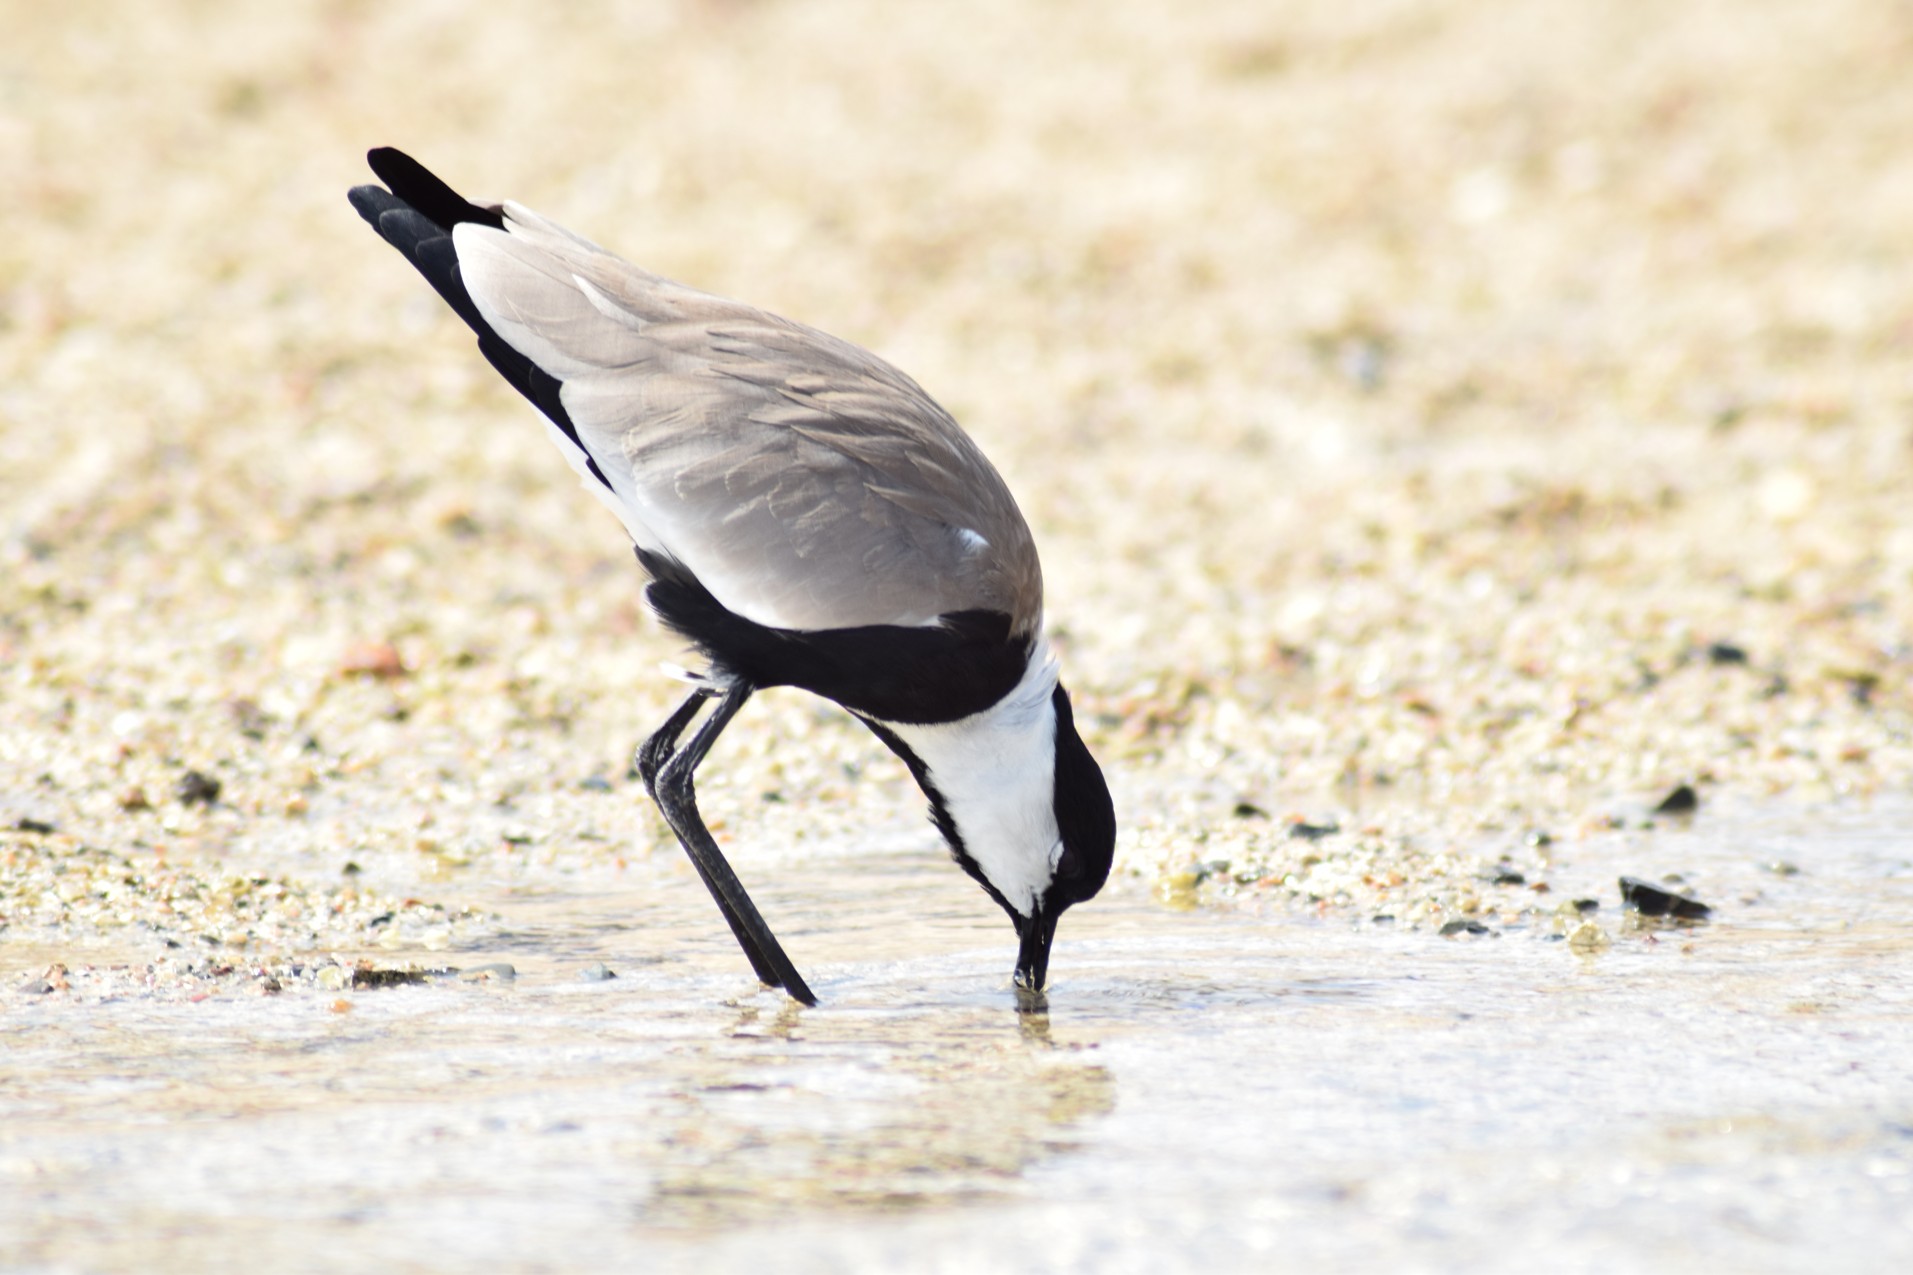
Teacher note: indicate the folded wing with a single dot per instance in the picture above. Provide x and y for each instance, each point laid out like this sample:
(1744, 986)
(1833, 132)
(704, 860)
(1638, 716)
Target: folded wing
(805, 482)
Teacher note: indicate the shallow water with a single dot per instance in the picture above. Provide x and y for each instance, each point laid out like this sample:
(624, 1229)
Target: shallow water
(1205, 1089)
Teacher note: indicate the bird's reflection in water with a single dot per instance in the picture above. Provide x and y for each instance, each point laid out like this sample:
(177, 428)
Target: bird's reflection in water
(1032, 1018)
(792, 1109)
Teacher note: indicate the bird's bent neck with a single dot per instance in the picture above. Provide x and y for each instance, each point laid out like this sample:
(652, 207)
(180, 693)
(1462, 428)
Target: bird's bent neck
(992, 779)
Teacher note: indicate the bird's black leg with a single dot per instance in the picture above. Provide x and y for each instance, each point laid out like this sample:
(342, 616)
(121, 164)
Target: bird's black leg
(650, 761)
(678, 800)
(655, 751)
(653, 755)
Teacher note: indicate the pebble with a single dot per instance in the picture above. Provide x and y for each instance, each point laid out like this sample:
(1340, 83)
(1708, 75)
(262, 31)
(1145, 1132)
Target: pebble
(251, 720)
(1650, 900)
(1682, 801)
(196, 788)
(598, 973)
(379, 660)
(366, 977)
(498, 971)
(1589, 937)
(1726, 653)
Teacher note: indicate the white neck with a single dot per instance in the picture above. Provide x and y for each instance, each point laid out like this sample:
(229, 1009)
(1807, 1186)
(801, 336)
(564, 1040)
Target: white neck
(996, 773)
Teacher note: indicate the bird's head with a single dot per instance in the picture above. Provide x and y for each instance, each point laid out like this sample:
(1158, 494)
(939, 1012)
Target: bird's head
(1022, 804)
(1080, 857)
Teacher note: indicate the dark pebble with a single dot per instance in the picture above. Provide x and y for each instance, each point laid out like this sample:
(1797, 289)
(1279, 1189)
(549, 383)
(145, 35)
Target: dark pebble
(366, 978)
(1508, 876)
(38, 827)
(1249, 810)
(1585, 906)
(1726, 653)
(251, 720)
(1650, 900)
(1314, 831)
(1682, 801)
(196, 789)
(1464, 927)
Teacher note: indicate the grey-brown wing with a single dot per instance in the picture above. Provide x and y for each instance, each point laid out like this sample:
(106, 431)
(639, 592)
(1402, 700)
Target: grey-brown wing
(807, 483)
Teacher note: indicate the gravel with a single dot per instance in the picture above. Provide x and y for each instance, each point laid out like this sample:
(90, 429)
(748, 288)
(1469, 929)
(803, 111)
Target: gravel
(1448, 429)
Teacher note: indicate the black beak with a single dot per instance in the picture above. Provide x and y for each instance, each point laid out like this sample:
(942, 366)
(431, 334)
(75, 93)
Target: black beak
(1032, 959)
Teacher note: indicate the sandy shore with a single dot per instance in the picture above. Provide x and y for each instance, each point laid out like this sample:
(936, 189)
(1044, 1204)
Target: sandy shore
(1453, 423)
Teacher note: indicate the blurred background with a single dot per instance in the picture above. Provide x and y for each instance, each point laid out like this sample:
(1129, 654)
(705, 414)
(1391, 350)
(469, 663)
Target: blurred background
(1439, 419)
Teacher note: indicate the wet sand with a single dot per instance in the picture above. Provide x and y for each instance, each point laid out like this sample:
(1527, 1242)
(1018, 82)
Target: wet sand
(1448, 429)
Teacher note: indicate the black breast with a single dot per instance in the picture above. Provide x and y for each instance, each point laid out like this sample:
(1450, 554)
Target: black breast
(914, 675)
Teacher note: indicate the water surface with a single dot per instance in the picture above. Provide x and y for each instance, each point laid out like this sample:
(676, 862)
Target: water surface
(1204, 1090)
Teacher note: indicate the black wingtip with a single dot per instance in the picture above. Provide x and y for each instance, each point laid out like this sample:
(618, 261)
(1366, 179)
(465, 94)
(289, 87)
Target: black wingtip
(418, 186)
(370, 201)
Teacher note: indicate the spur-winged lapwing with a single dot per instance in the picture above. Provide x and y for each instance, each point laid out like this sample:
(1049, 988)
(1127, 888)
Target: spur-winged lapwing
(808, 517)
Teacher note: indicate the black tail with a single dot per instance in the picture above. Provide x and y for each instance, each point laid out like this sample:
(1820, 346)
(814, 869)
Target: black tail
(416, 216)
(417, 185)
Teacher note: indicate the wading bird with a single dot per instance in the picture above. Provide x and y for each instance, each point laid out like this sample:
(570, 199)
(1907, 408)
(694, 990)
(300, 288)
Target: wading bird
(808, 517)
